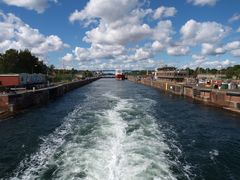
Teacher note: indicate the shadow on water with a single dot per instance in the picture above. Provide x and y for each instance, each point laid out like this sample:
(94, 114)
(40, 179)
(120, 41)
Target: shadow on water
(209, 137)
(20, 136)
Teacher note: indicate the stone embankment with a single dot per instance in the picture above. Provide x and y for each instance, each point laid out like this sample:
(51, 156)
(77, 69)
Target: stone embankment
(11, 103)
(226, 99)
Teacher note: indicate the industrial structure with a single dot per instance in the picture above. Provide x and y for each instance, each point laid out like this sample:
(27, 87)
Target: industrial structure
(21, 80)
(170, 74)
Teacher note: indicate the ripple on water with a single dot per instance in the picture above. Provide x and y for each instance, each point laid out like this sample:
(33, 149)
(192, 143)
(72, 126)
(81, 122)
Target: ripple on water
(123, 142)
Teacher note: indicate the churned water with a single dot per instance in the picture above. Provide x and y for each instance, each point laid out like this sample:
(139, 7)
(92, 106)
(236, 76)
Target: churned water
(118, 130)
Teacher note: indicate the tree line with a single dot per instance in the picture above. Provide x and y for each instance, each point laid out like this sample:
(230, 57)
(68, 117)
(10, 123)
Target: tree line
(230, 72)
(13, 61)
(23, 61)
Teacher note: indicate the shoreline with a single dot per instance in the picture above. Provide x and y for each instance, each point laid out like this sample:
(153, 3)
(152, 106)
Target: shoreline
(226, 100)
(12, 104)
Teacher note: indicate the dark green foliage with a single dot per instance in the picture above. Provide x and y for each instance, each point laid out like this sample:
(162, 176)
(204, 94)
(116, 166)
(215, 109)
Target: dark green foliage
(69, 75)
(139, 73)
(233, 71)
(87, 73)
(190, 72)
(63, 77)
(230, 72)
(13, 61)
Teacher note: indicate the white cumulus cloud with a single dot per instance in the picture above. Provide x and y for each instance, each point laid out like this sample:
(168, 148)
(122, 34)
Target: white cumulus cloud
(214, 49)
(37, 5)
(235, 17)
(238, 30)
(113, 32)
(194, 32)
(164, 12)
(203, 2)
(104, 9)
(177, 50)
(98, 51)
(135, 35)
(163, 31)
(14, 33)
(218, 64)
(201, 61)
(236, 52)
(68, 57)
(121, 27)
(157, 46)
(124, 34)
(142, 54)
(211, 49)
(233, 45)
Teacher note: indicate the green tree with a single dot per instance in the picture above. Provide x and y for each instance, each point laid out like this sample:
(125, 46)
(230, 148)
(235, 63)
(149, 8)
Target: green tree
(190, 71)
(87, 73)
(8, 61)
(233, 71)
(13, 61)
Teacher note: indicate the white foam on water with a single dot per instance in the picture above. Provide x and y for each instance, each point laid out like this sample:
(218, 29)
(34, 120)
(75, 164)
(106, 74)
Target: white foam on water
(114, 149)
(213, 153)
(30, 168)
(119, 155)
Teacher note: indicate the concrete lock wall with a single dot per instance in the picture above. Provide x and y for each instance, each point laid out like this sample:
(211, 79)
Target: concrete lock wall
(18, 101)
(22, 101)
(218, 98)
(188, 91)
(225, 99)
(4, 102)
(233, 100)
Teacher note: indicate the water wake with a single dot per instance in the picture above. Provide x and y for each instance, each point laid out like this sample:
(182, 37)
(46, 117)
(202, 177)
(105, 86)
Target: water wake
(118, 143)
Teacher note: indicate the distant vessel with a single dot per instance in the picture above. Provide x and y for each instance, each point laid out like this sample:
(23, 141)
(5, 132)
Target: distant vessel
(119, 74)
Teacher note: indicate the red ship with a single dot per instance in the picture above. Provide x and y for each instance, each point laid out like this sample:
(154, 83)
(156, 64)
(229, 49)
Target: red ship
(119, 75)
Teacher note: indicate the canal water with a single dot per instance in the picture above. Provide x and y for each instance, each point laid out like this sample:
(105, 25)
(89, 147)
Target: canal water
(118, 130)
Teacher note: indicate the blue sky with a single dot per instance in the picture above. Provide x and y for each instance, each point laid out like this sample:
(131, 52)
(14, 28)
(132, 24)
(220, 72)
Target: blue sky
(127, 34)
